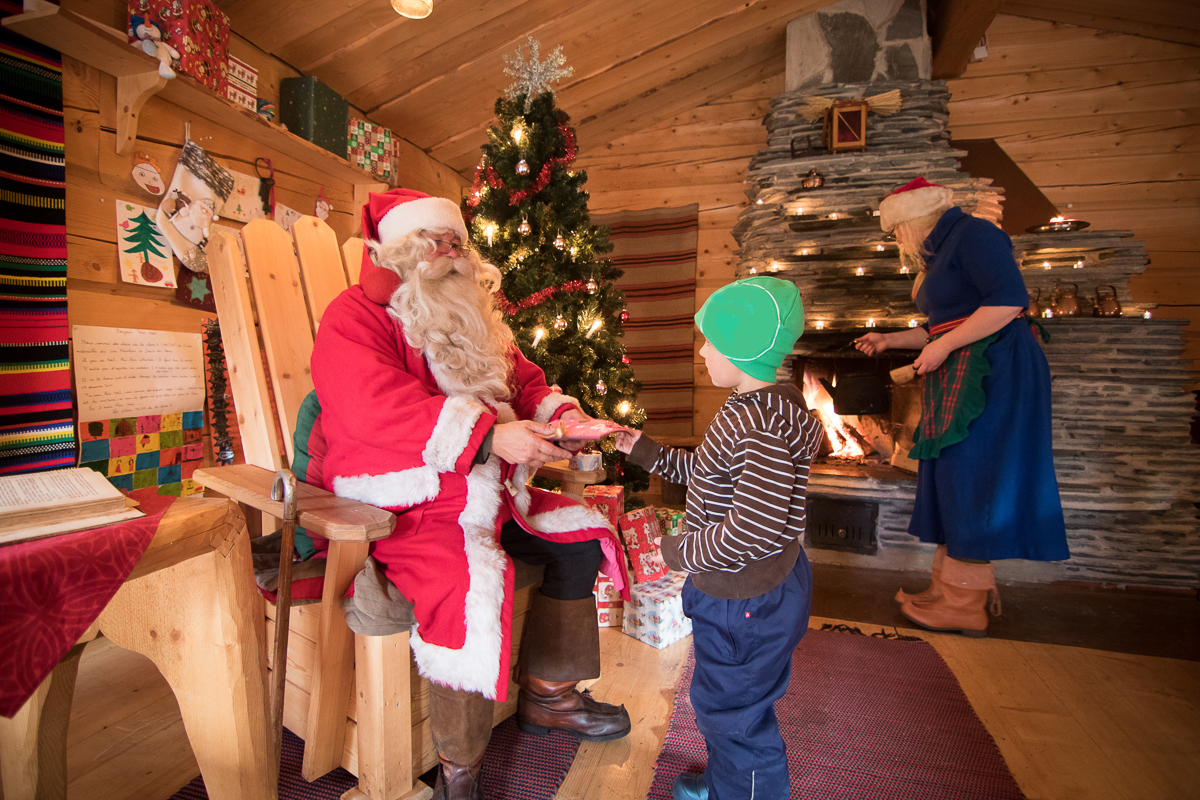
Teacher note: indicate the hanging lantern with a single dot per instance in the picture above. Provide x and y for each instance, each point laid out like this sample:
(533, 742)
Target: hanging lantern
(522, 167)
(560, 323)
(560, 242)
(592, 286)
(601, 388)
(524, 228)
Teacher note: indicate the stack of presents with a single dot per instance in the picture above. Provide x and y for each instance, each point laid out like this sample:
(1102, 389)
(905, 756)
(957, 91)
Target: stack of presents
(654, 612)
(194, 36)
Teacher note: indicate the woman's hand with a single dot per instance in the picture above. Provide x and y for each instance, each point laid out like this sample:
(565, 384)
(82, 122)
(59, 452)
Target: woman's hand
(932, 356)
(872, 344)
(624, 440)
(523, 442)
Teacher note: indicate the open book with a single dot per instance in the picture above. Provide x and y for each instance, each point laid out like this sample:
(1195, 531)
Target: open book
(44, 504)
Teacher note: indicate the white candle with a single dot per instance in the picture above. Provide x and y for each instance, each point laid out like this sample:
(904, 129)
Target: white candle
(912, 323)
(858, 271)
(1146, 315)
(537, 335)
(489, 231)
(871, 322)
(821, 324)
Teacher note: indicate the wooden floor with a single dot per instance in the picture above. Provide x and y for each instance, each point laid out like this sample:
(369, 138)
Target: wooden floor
(1071, 722)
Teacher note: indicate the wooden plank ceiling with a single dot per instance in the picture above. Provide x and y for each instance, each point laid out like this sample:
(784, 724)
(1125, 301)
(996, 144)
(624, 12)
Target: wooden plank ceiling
(636, 63)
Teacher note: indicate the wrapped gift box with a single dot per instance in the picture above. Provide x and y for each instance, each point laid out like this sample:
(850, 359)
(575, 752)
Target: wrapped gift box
(670, 522)
(369, 147)
(313, 111)
(654, 613)
(238, 95)
(639, 529)
(197, 29)
(609, 500)
(609, 605)
(242, 75)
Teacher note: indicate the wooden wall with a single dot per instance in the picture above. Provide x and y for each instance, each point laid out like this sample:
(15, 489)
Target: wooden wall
(1108, 123)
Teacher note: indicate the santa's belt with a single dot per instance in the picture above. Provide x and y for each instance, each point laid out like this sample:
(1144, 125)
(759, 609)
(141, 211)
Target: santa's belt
(946, 327)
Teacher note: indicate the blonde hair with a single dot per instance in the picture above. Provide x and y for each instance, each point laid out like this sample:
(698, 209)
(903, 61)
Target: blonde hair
(911, 235)
(446, 307)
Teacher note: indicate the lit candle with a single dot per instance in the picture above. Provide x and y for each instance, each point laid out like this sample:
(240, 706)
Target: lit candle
(833, 216)
(1057, 219)
(799, 211)
(1146, 315)
(1078, 265)
(774, 266)
(879, 247)
(489, 232)
(821, 324)
(1048, 313)
(904, 270)
(804, 252)
(595, 327)
(753, 270)
(574, 250)
(871, 322)
(623, 408)
(1045, 265)
(875, 213)
(517, 133)
(758, 201)
(858, 271)
(537, 335)
(912, 323)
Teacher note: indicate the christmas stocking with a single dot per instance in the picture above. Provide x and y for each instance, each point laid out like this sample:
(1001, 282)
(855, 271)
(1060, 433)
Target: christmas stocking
(200, 186)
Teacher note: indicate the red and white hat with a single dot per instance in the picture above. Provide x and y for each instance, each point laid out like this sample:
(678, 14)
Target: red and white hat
(916, 199)
(392, 214)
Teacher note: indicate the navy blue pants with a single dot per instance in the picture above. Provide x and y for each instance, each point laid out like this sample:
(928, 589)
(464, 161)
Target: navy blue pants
(743, 664)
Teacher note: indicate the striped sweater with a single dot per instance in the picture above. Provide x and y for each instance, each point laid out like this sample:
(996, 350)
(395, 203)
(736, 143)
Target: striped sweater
(746, 492)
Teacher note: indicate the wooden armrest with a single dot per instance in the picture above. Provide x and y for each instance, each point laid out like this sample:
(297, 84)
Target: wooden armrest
(560, 471)
(321, 512)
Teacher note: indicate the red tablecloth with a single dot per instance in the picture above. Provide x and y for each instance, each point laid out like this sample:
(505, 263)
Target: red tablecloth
(52, 590)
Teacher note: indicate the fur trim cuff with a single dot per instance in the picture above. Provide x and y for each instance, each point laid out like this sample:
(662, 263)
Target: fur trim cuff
(452, 433)
(401, 489)
(551, 403)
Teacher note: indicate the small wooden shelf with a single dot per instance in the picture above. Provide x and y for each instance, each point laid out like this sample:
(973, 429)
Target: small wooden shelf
(138, 80)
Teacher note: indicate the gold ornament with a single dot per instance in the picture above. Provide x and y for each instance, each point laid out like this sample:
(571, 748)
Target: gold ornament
(592, 286)
(524, 228)
(601, 388)
(559, 242)
(560, 323)
(522, 167)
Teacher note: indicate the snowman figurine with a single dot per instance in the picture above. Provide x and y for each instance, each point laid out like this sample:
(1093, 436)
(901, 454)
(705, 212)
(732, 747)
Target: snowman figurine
(151, 37)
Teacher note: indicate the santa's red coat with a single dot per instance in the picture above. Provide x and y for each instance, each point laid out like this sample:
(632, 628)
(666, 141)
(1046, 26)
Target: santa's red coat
(392, 437)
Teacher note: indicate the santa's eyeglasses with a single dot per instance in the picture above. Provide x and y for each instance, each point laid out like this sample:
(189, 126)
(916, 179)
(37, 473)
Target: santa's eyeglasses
(446, 246)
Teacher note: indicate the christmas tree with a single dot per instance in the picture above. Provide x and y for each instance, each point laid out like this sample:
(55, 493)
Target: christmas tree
(144, 238)
(527, 213)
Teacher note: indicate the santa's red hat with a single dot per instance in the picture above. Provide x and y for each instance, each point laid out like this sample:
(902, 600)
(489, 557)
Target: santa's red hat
(393, 214)
(916, 199)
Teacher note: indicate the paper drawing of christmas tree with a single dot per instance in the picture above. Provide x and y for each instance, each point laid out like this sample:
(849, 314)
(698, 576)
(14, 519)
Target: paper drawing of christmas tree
(144, 236)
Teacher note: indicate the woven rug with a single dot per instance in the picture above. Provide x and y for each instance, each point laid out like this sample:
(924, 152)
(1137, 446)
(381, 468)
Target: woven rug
(517, 766)
(36, 428)
(657, 251)
(864, 717)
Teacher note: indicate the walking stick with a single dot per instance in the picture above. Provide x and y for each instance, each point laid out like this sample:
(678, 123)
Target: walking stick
(284, 488)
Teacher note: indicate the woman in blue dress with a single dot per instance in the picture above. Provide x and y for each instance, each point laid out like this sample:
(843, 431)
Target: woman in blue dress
(986, 488)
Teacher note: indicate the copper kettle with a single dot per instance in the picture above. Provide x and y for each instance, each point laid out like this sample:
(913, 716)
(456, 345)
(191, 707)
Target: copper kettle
(1107, 304)
(1066, 301)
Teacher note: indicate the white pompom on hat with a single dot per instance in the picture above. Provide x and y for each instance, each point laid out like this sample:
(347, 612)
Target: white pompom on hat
(916, 199)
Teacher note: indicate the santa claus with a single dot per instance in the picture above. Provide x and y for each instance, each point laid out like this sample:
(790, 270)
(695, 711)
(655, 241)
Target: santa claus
(427, 409)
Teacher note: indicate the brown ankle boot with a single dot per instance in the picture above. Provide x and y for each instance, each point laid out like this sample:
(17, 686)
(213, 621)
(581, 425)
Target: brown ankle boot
(934, 591)
(461, 723)
(543, 706)
(560, 647)
(963, 606)
(458, 781)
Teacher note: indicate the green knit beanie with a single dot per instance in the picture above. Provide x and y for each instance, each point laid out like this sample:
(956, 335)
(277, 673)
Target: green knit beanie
(754, 323)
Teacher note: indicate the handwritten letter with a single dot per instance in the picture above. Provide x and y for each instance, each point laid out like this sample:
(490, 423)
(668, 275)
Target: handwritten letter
(121, 372)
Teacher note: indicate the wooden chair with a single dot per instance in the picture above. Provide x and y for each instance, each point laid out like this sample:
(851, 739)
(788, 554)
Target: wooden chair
(358, 702)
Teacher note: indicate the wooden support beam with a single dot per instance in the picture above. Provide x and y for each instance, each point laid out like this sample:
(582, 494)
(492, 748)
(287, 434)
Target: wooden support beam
(956, 29)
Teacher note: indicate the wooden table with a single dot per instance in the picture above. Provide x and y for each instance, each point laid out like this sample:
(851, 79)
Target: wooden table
(192, 608)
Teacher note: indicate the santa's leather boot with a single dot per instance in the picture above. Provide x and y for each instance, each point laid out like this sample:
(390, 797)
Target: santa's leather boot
(963, 606)
(560, 647)
(461, 723)
(935, 585)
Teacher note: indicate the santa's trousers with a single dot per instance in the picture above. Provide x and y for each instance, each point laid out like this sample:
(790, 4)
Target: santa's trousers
(743, 651)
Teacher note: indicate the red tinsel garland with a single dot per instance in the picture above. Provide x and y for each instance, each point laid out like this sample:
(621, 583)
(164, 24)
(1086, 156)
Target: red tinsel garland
(536, 298)
(485, 172)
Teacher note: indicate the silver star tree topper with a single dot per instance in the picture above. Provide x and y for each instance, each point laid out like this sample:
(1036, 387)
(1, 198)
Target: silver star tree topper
(534, 77)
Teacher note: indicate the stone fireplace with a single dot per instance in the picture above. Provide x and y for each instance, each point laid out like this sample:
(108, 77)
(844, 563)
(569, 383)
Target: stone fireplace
(1127, 473)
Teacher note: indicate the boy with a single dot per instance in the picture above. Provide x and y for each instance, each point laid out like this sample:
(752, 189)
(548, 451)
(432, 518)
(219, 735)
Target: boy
(750, 588)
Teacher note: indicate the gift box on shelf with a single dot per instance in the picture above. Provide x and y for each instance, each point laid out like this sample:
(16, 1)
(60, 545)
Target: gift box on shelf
(243, 83)
(239, 96)
(639, 528)
(313, 111)
(369, 147)
(654, 612)
(609, 605)
(609, 500)
(196, 30)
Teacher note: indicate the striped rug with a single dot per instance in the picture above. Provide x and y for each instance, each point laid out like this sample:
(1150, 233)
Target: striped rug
(657, 250)
(36, 429)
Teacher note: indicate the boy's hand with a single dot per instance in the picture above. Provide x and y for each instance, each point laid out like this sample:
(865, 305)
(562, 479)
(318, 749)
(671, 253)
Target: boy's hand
(624, 440)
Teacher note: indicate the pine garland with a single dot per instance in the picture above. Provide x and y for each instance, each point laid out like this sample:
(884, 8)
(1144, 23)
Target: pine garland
(218, 392)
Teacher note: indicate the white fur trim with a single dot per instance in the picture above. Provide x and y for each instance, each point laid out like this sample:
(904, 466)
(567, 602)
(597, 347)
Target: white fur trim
(551, 403)
(452, 432)
(475, 667)
(401, 489)
(568, 518)
(423, 213)
(896, 208)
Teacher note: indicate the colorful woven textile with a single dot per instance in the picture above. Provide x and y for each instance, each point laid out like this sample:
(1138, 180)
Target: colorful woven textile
(517, 766)
(657, 251)
(36, 432)
(952, 397)
(863, 717)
